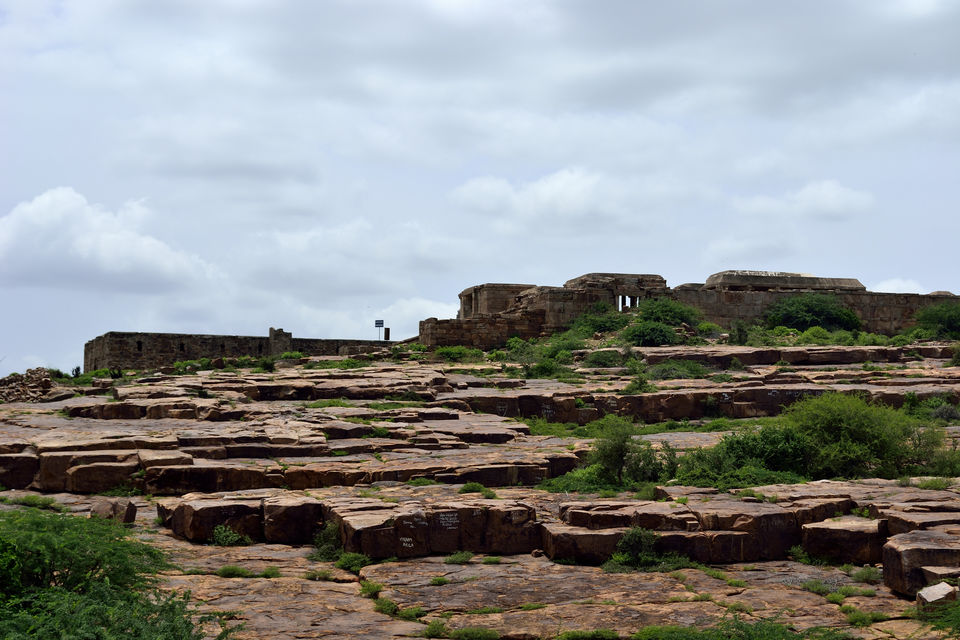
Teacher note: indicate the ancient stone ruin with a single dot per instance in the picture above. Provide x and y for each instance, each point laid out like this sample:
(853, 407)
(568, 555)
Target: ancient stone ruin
(492, 313)
(133, 350)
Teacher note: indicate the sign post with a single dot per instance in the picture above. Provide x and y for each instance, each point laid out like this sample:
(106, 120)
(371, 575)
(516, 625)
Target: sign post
(379, 325)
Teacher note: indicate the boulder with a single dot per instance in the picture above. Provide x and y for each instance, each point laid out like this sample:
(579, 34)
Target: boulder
(291, 519)
(120, 509)
(847, 540)
(180, 479)
(936, 594)
(18, 469)
(592, 546)
(53, 465)
(195, 520)
(98, 477)
(907, 554)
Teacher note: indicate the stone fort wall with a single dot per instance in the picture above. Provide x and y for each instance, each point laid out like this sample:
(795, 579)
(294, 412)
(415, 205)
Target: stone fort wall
(132, 350)
(492, 313)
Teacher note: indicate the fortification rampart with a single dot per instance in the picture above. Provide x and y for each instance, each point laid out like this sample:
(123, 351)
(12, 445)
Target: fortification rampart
(492, 313)
(131, 350)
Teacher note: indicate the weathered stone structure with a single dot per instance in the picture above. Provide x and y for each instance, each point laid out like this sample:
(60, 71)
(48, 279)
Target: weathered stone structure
(129, 350)
(491, 313)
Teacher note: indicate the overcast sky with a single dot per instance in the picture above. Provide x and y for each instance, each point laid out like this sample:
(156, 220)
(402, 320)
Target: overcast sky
(228, 166)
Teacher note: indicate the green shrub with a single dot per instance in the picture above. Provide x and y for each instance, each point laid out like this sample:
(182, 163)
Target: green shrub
(476, 487)
(867, 574)
(439, 581)
(270, 572)
(677, 369)
(224, 536)
(459, 353)
(436, 629)
(411, 613)
(370, 589)
(484, 610)
(955, 356)
(639, 385)
(458, 557)
(636, 550)
(604, 359)
(669, 312)
(106, 612)
(491, 560)
(353, 562)
(857, 438)
(327, 543)
(233, 571)
(601, 318)
(323, 575)
(386, 606)
(626, 459)
(650, 334)
(811, 310)
(816, 335)
(942, 319)
(532, 606)
(291, 355)
(343, 363)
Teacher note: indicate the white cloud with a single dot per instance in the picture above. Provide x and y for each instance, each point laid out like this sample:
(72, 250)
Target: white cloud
(898, 285)
(59, 240)
(823, 199)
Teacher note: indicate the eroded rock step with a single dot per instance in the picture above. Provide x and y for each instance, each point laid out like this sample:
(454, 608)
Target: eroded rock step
(719, 400)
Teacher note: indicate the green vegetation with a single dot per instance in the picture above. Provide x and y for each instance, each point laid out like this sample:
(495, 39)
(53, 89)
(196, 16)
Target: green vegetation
(866, 574)
(604, 359)
(352, 562)
(942, 320)
(233, 571)
(291, 355)
(458, 557)
(327, 544)
(439, 581)
(332, 402)
(224, 536)
(622, 458)
(491, 560)
(35, 501)
(811, 310)
(677, 369)
(476, 487)
(436, 629)
(532, 606)
(484, 610)
(636, 552)
(321, 575)
(420, 482)
(344, 363)
(650, 334)
(370, 589)
(459, 353)
(736, 629)
(69, 577)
